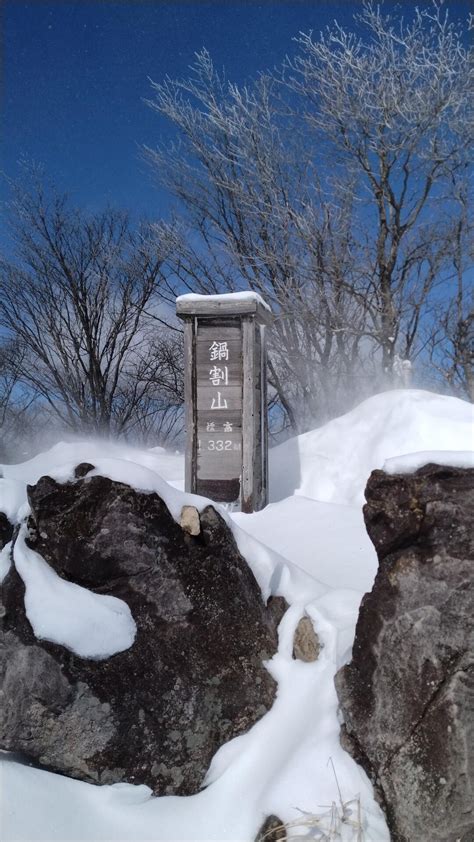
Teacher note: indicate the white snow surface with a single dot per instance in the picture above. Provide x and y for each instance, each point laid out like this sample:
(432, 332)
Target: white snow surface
(5, 560)
(91, 625)
(333, 463)
(246, 295)
(12, 496)
(169, 466)
(310, 546)
(309, 534)
(412, 461)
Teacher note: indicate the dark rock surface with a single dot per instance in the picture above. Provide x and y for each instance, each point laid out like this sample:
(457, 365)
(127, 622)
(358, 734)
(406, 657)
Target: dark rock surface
(193, 678)
(272, 830)
(407, 697)
(6, 530)
(83, 469)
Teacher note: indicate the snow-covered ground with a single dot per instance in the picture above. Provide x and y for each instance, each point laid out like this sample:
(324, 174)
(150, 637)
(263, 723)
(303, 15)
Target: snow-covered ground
(333, 462)
(308, 545)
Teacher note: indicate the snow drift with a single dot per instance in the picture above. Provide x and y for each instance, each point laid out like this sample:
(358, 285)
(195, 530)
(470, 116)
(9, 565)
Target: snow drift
(334, 462)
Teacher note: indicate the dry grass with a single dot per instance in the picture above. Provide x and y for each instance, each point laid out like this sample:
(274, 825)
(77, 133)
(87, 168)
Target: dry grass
(341, 820)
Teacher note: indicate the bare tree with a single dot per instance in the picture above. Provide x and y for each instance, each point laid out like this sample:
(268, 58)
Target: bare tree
(325, 187)
(391, 108)
(257, 217)
(17, 415)
(451, 340)
(75, 301)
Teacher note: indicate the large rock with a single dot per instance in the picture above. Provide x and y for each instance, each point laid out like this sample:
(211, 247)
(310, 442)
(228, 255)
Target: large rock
(407, 697)
(193, 678)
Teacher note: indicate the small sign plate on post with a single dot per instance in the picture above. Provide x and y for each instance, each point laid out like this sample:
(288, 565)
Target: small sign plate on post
(219, 410)
(225, 394)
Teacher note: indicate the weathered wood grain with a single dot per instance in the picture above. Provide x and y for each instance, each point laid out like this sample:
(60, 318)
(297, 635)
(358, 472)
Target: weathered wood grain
(240, 307)
(189, 404)
(248, 416)
(225, 385)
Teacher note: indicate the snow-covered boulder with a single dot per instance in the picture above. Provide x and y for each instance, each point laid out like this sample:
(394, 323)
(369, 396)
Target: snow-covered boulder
(407, 694)
(132, 650)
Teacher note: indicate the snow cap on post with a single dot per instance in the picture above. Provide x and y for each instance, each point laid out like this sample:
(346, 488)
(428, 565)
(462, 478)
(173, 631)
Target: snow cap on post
(226, 304)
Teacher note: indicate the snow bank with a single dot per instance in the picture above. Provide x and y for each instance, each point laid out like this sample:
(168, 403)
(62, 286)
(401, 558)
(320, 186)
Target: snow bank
(12, 497)
(60, 461)
(91, 625)
(5, 560)
(412, 461)
(333, 463)
(327, 541)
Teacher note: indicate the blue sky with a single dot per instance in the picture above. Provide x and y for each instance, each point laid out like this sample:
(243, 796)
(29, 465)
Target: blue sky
(75, 75)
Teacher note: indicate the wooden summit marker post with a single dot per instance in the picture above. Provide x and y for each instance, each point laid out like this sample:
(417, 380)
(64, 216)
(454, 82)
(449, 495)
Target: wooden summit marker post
(226, 397)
